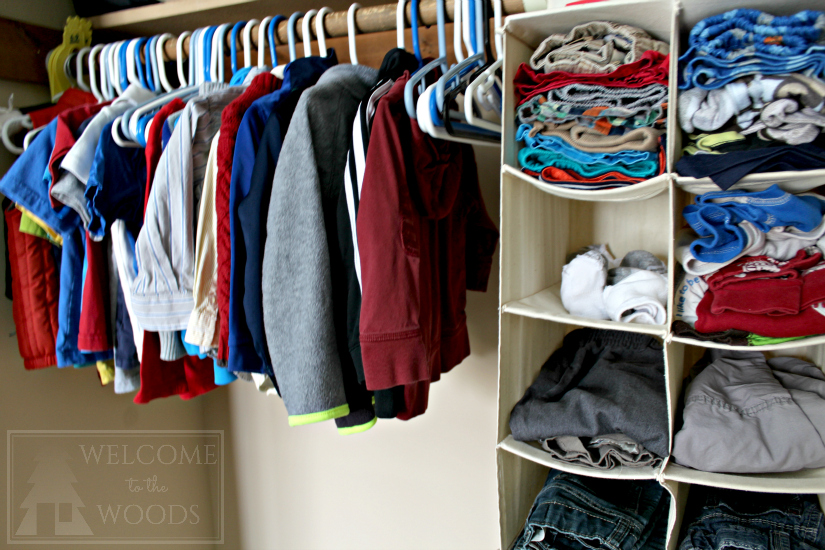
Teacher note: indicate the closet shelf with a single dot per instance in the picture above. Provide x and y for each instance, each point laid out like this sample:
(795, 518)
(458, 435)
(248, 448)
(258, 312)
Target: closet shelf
(810, 341)
(540, 456)
(547, 305)
(793, 182)
(803, 481)
(640, 191)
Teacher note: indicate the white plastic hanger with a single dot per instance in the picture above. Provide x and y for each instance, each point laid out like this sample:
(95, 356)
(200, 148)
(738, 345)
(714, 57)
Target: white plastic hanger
(179, 61)
(262, 27)
(457, 29)
(351, 32)
(105, 69)
(93, 72)
(307, 33)
(400, 17)
(217, 63)
(320, 32)
(131, 66)
(79, 68)
(247, 42)
(164, 81)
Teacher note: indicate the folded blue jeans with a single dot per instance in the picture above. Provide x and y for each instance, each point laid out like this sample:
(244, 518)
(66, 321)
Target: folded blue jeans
(723, 518)
(575, 512)
(716, 217)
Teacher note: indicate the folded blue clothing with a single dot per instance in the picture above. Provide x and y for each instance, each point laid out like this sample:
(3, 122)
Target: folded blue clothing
(747, 30)
(557, 144)
(716, 217)
(728, 168)
(538, 159)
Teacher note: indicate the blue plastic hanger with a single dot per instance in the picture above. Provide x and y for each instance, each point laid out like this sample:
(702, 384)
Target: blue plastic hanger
(421, 74)
(233, 48)
(206, 59)
(239, 77)
(271, 28)
(218, 57)
(193, 57)
(290, 33)
(139, 66)
(451, 76)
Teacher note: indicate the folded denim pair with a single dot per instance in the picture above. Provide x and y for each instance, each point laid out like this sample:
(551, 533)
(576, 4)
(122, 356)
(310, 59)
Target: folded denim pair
(724, 518)
(583, 512)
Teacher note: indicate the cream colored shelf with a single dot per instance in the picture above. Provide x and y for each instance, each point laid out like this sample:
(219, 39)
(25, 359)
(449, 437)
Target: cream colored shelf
(540, 456)
(639, 191)
(805, 342)
(547, 305)
(793, 182)
(803, 481)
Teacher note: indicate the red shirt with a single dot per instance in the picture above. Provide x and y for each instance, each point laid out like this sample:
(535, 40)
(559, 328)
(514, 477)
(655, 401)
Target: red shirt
(72, 97)
(231, 117)
(424, 238)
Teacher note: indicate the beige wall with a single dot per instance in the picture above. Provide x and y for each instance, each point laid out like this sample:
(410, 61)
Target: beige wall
(429, 483)
(425, 484)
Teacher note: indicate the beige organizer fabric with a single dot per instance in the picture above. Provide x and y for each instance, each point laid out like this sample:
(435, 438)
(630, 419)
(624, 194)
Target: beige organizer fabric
(541, 223)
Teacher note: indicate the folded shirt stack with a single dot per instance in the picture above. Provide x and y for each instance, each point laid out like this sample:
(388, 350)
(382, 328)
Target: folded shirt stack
(745, 414)
(756, 267)
(724, 518)
(599, 400)
(752, 95)
(592, 107)
(596, 285)
(574, 511)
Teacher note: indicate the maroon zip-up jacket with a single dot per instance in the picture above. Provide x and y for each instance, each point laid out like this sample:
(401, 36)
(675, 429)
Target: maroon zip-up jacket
(424, 238)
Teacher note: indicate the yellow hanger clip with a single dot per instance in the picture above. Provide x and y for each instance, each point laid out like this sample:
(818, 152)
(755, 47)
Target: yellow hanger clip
(77, 34)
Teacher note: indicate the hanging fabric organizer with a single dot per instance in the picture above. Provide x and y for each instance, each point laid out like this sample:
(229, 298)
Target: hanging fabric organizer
(543, 223)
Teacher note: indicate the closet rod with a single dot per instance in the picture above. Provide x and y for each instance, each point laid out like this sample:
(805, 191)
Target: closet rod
(368, 19)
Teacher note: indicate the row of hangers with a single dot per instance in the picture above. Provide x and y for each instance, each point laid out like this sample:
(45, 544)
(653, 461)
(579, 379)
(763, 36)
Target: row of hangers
(459, 103)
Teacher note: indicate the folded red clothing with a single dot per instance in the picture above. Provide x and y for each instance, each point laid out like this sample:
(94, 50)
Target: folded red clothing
(651, 68)
(807, 322)
(760, 296)
(749, 268)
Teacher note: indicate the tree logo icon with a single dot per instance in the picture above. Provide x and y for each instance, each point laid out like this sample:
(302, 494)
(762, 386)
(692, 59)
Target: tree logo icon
(53, 504)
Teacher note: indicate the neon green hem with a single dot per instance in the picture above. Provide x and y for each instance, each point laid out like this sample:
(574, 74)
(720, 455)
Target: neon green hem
(358, 429)
(320, 416)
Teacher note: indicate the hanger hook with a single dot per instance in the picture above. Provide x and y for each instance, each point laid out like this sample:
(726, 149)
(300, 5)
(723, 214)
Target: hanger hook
(233, 46)
(93, 72)
(164, 81)
(247, 42)
(290, 33)
(400, 17)
(79, 68)
(262, 28)
(414, 26)
(151, 64)
(131, 66)
(306, 32)
(179, 61)
(351, 31)
(457, 27)
(218, 56)
(320, 32)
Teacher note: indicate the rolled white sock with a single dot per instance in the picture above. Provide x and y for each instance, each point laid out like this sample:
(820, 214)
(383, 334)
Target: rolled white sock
(582, 285)
(639, 298)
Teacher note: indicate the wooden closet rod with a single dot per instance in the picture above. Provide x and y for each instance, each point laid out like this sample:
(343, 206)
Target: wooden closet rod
(369, 19)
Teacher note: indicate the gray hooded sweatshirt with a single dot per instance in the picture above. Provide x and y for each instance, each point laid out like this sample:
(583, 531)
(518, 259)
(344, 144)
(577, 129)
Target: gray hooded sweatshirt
(299, 320)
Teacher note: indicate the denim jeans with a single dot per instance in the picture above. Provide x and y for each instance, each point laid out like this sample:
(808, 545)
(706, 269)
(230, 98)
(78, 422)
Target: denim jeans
(757, 521)
(575, 512)
(716, 216)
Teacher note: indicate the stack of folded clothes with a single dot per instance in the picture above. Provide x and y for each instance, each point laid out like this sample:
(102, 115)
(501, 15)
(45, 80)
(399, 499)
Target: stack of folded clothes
(724, 518)
(599, 400)
(755, 273)
(596, 285)
(592, 107)
(580, 512)
(752, 95)
(745, 414)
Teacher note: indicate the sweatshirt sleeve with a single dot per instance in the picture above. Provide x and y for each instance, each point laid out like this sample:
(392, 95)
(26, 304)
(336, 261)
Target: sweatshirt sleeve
(297, 286)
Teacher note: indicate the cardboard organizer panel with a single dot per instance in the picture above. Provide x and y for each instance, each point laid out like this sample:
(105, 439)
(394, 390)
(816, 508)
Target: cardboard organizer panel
(541, 224)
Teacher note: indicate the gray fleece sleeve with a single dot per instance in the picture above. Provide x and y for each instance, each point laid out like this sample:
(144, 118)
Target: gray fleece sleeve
(297, 287)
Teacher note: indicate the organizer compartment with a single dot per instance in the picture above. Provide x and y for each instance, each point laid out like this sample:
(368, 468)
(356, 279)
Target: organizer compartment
(522, 35)
(690, 12)
(539, 230)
